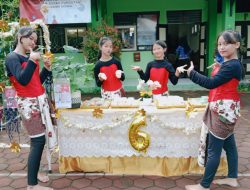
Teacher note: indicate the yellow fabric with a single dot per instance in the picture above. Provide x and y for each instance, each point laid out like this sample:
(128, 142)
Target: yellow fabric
(136, 165)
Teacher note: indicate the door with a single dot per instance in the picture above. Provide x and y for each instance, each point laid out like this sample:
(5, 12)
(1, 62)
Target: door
(244, 29)
(203, 47)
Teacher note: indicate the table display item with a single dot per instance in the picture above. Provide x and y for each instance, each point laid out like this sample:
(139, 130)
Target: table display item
(165, 102)
(95, 103)
(124, 102)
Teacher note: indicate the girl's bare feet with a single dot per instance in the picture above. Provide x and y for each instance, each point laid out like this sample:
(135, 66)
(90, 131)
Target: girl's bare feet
(227, 181)
(195, 187)
(38, 187)
(42, 177)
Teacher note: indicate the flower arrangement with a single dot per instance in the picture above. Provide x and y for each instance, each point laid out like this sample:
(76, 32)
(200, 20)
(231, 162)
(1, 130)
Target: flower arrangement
(8, 12)
(146, 88)
(92, 37)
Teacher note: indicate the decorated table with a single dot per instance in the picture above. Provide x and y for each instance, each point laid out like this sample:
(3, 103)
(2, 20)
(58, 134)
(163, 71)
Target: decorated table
(102, 141)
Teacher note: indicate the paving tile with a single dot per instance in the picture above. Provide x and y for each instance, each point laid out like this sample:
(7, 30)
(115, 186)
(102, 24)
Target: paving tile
(3, 166)
(7, 188)
(69, 188)
(111, 188)
(80, 183)
(19, 183)
(102, 183)
(89, 188)
(184, 181)
(5, 181)
(15, 160)
(244, 183)
(164, 183)
(123, 182)
(176, 188)
(10, 155)
(143, 183)
(61, 183)
(154, 188)
(16, 167)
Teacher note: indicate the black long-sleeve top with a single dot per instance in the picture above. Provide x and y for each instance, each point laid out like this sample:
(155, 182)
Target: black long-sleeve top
(229, 70)
(161, 71)
(24, 75)
(109, 68)
(14, 68)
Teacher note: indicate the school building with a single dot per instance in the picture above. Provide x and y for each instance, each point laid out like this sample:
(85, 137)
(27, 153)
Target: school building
(141, 22)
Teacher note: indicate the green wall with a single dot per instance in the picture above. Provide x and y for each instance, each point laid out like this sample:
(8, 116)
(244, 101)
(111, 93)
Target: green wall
(116, 6)
(156, 5)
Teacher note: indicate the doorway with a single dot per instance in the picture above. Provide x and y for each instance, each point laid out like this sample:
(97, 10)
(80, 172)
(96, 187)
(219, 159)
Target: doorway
(183, 37)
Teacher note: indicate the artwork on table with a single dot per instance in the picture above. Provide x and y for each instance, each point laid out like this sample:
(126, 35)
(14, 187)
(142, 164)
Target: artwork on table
(9, 97)
(62, 93)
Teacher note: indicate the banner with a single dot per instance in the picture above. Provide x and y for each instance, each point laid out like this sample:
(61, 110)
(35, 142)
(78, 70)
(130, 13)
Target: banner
(56, 11)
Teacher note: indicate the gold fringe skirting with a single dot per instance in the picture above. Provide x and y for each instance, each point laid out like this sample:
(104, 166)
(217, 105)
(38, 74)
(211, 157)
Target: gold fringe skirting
(136, 165)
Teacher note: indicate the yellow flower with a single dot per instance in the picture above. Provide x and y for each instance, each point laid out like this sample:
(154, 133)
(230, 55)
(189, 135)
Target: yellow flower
(146, 94)
(24, 22)
(3, 25)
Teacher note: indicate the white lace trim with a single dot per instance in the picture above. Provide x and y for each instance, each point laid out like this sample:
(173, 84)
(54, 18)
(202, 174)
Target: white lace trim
(172, 134)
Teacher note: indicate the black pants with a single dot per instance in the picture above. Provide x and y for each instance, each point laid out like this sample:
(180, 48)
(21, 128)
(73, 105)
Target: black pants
(36, 150)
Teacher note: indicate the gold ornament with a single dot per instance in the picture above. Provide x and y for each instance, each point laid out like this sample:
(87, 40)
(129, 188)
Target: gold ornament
(97, 113)
(15, 147)
(24, 22)
(2, 86)
(190, 110)
(48, 56)
(57, 113)
(138, 139)
(4, 25)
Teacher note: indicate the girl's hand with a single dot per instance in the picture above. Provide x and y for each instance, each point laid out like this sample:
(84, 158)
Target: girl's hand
(102, 76)
(180, 70)
(118, 74)
(34, 56)
(190, 68)
(136, 68)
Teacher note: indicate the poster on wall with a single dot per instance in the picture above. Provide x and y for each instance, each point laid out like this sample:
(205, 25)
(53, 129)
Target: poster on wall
(62, 94)
(56, 11)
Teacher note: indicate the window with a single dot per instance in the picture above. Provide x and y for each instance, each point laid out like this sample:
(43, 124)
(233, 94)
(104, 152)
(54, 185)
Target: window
(137, 30)
(74, 37)
(146, 31)
(128, 38)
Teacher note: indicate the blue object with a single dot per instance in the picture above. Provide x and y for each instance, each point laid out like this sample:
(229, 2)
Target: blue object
(219, 58)
(181, 53)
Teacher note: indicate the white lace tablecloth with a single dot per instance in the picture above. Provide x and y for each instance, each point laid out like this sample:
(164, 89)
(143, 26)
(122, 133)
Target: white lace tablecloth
(172, 133)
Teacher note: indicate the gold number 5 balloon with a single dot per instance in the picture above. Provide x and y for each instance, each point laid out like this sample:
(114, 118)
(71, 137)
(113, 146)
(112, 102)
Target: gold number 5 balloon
(138, 139)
